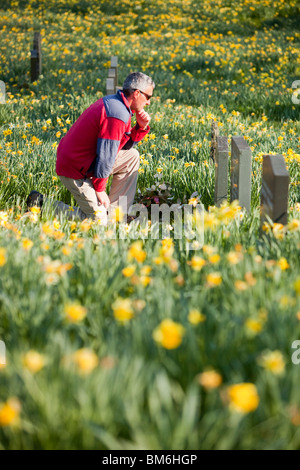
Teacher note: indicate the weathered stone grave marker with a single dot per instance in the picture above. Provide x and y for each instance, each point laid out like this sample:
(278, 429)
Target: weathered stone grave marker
(110, 86)
(214, 135)
(2, 92)
(274, 190)
(240, 172)
(114, 66)
(221, 170)
(36, 57)
(112, 80)
(112, 74)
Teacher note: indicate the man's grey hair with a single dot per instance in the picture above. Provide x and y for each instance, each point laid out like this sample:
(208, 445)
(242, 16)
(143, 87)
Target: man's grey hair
(137, 81)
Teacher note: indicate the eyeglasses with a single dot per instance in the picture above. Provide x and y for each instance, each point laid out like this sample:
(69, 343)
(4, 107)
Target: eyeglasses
(148, 97)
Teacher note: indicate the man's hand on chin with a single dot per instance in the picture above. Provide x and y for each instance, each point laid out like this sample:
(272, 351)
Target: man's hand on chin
(142, 118)
(103, 198)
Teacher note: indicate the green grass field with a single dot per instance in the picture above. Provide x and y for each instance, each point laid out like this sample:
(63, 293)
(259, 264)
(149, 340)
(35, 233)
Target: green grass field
(141, 344)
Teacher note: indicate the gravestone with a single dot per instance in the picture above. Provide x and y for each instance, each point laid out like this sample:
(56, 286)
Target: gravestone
(114, 66)
(2, 92)
(110, 86)
(214, 135)
(36, 57)
(274, 190)
(112, 74)
(240, 172)
(221, 170)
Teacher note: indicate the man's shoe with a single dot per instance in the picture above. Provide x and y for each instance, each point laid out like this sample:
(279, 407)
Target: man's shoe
(35, 199)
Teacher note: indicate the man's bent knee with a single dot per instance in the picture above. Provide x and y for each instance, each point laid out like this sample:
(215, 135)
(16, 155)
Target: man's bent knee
(136, 158)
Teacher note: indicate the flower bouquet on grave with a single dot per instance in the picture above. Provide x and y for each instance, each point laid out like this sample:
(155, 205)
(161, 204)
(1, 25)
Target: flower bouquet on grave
(159, 193)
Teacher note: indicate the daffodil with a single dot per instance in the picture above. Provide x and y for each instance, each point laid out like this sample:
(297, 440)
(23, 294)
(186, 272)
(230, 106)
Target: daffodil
(209, 379)
(123, 309)
(169, 334)
(167, 249)
(33, 361)
(197, 263)
(234, 257)
(243, 397)
(214, 259)
(240, 285)
(136, 252)
(254, 325)
(296, 284)
(195, 316)
(75, 312)
(85, 360)
(10, 412)
(272, 361)
(118, 214)
(27, 244)
(213, 279)
(283, 264)
(3, 257)
(294, 225)
(129, 270)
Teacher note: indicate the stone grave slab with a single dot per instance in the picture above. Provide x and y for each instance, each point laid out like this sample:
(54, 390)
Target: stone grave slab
(221, 170)
(36, 57)
(274, 190)
(240, 172)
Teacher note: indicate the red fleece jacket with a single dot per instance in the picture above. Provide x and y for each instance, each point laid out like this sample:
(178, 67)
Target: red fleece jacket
(90, 146)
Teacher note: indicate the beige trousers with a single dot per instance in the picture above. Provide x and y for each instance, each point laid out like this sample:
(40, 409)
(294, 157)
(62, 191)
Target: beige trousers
(125, 173)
